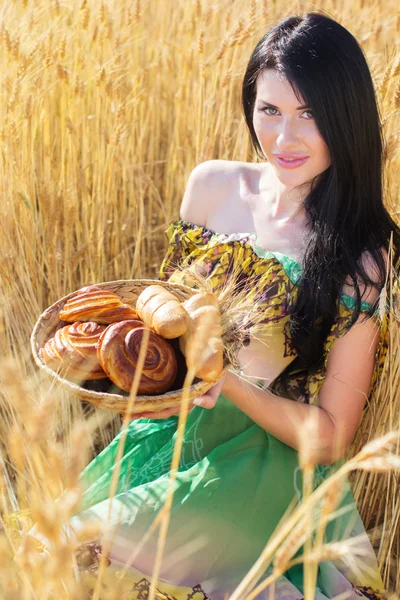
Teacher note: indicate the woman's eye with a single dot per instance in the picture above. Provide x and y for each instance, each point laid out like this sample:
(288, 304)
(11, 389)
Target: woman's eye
(272, 112)
(266, 108)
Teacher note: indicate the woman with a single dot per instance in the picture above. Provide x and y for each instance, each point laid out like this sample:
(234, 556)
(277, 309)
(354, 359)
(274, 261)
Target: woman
(308, 228)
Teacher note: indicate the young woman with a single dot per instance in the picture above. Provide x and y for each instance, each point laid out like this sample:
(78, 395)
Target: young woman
(308, 227)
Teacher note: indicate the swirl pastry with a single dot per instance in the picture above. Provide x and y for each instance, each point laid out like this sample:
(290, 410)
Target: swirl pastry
(95, 304)
(118, 352)
(73, 351)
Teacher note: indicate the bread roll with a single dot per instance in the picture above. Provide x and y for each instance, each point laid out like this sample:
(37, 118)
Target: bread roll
(73, 352)
(118, 352)
(203, 310)
(95, 304)
(161, 311)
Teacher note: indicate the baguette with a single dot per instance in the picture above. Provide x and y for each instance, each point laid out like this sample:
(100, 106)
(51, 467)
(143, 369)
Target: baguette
(203, 308)
(160, 310)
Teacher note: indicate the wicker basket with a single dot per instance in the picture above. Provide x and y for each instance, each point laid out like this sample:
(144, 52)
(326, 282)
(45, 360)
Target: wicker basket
(128, 291)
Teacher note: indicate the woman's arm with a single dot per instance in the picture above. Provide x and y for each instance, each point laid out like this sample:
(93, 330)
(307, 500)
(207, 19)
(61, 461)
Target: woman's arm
(343, 394)
(340, 403)
(341, 400)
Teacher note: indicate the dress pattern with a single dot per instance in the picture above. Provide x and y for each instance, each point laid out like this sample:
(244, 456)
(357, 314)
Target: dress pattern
(235, 480)
(274, 277)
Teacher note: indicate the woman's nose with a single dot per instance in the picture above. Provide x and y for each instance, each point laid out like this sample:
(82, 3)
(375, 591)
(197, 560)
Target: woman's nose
(287, 134)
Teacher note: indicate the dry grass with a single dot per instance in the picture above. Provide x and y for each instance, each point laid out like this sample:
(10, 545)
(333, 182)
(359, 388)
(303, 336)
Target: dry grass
(105, 109)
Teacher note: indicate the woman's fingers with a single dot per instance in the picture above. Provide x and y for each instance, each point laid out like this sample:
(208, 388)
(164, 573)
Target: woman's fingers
(136, 416)
(164, 414)
(209, 399)
(205, 401)
(150, 415)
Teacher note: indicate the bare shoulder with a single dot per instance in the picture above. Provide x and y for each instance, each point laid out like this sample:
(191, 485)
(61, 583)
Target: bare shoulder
(209, 185)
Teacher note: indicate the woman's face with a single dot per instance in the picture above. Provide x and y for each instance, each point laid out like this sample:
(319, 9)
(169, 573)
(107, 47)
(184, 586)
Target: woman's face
(286, 130)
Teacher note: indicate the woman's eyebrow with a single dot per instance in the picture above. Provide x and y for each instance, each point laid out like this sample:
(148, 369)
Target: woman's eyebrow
(273, 105)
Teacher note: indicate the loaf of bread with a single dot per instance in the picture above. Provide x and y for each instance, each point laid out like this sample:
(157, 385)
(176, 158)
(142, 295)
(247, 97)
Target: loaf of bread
(203, 311)
(118, 352)
(73, 352)
(92, 303)
(161, 311)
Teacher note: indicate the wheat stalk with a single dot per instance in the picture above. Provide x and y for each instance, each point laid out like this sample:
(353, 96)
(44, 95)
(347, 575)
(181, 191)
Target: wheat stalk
(79, 208)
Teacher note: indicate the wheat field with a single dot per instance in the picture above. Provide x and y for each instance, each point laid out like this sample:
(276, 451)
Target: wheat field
(105, 108)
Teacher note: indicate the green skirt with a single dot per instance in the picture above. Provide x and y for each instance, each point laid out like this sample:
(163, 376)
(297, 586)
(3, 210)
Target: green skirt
(235, 482)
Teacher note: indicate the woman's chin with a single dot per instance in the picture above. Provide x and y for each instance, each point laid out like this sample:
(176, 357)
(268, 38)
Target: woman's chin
(292, 178)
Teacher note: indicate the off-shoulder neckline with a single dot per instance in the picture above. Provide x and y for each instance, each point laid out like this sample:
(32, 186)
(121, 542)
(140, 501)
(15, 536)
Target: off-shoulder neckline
(292, 268)
(246, 234)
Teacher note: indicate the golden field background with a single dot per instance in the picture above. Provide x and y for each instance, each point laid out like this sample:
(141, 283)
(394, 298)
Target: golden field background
(105, 108)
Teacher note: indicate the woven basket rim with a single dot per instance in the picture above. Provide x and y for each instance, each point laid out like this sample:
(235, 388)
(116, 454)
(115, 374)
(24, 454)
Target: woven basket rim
(198, 387)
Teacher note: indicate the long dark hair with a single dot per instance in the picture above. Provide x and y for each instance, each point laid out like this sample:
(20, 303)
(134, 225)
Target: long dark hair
(327, 68)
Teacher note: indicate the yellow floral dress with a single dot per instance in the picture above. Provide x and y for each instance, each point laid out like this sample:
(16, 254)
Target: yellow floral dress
(235, 480)
(274, 278)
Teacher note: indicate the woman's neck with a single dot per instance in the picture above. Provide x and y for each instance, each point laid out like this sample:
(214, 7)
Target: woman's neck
(288, 201)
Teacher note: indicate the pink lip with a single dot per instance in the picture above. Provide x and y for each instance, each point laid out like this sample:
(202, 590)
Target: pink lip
(293, 164)
(290, 155)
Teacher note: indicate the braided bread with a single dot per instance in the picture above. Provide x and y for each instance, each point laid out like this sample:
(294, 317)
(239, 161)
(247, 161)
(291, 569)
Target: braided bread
(118, 352)
(95, 304)
(73, 351)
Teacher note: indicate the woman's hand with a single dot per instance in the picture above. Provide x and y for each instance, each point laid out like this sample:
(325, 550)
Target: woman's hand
(207, 400)
(162, 414)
